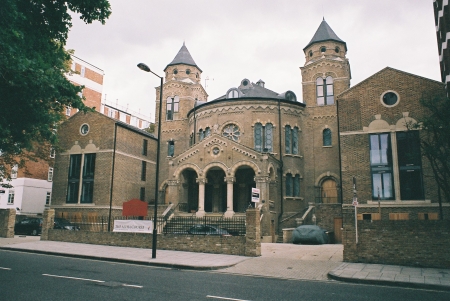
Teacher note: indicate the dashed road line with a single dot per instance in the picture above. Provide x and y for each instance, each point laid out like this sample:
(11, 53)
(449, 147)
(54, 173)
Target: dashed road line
(225, 298)
(2, 268)
(91, 280)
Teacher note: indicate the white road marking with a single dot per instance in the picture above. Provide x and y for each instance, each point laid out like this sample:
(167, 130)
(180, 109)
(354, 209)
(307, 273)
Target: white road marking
(92, 280)
(75, 278)
(224, 298)
(1, 268)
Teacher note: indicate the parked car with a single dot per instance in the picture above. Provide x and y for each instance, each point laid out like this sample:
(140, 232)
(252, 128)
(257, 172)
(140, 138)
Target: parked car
(207, 230)
(62, 223)
(309, 234)
(29, 226)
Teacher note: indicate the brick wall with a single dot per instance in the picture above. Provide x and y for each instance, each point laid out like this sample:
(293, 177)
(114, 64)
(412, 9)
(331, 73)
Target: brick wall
(7, 220)
(411, 242)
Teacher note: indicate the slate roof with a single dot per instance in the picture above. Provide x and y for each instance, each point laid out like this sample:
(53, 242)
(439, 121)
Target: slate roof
(183, 57)
(325, 33)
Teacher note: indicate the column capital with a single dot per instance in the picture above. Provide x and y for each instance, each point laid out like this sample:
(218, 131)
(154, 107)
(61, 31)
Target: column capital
(262, 179)
(230, 179)
(172, 182)
(201, 181)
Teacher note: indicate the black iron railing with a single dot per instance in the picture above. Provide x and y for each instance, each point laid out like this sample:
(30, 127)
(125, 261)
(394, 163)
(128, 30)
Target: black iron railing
(207, 225)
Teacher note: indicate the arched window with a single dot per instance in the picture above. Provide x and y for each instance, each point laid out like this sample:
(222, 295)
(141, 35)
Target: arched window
(289, 188)
(258, 137)
(263, 137)
(171, 148)
(207, 132)
(287, 140)
(297, 185)
(191, 140)
(268, 137)
(325, 91)
(233, 93)
(172, 107)
(201, 135)
(291, 140)
(326, 137)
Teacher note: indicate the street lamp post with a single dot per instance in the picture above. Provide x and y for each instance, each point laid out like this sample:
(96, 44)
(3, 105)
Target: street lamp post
(144, 67)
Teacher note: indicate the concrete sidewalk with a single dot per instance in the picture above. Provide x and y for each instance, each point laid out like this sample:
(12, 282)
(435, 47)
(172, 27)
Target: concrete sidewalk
(287, 261)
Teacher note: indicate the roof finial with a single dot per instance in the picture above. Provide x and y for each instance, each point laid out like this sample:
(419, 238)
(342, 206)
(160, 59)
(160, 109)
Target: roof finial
(183, 43)
(323, 18)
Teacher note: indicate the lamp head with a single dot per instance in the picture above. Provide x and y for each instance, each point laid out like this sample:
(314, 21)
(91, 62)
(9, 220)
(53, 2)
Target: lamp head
(144, 67)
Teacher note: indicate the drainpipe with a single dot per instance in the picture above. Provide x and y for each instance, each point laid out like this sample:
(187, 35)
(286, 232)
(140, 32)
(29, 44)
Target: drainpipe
(340, 161)
(281, 160)
(195, 123)
(112, 177)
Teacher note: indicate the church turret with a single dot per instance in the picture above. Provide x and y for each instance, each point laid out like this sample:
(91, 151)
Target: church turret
(183, 67)
(325, 75)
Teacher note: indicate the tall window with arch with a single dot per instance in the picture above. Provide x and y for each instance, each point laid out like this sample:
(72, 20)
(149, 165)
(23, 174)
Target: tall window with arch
(263, 137)
(172, 105)
(325, 91)
(326, 137)
(292, 185)
(202, 134)
(291, 140)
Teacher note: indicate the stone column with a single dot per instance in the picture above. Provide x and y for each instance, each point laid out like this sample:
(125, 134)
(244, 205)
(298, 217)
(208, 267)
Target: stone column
(201, 196)
(230, 209)
(253, 234)
(262, 183)
(7, 221)
(47, 222)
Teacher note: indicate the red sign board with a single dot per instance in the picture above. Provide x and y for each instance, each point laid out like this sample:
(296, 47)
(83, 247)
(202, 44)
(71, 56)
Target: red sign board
(134, 207)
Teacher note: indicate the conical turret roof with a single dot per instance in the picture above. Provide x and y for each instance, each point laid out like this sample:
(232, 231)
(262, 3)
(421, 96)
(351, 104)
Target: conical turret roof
(325, 33)
(183, 57)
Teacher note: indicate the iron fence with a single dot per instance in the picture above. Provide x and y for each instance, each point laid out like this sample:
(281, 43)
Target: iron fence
(174, 225)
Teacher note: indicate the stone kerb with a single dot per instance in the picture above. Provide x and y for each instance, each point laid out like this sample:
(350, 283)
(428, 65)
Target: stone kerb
(47, 222)
(7, 221)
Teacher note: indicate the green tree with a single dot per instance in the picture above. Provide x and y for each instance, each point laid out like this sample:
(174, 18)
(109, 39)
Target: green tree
(435, 140)
(34, 90)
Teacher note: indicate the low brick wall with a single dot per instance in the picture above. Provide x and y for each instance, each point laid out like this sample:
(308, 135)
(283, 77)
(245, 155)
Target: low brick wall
(422, 243)
(231, 245)
(7, 221)
(248, 245)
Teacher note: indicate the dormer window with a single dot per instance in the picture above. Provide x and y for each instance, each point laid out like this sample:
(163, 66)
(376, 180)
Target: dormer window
(233, 93)
(188, 71)
(323, 49)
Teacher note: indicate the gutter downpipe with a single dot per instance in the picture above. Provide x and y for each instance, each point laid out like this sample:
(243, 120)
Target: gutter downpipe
(112, 178)
(195, 124)
(281, 160)
(340, 160)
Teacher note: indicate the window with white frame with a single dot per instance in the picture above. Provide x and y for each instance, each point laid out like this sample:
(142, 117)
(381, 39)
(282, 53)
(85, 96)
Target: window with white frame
(68, 111)
(48, 198)
(11, 197)
(325, 91)
(50, 174)
(122, 117)
(111, 113)
(52, 152)
(83, 71)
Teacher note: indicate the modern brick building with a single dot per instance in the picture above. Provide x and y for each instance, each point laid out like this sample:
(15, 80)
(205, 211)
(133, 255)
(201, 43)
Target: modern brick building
(103, 163)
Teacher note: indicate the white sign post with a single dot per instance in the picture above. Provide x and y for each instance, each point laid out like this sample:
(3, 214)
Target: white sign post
(255, 195)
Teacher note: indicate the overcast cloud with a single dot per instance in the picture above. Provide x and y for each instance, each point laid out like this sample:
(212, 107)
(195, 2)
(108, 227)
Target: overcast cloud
(235, 39)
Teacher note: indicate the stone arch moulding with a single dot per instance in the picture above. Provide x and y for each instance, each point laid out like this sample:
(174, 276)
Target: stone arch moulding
(180, 169)
(163, 186)
(315, 76)
(325, 176)
(245, 163)
(378, 125)
(216, 164)
(405, 123)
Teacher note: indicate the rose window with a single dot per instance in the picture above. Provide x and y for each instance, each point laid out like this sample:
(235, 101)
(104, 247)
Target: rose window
(232, 132)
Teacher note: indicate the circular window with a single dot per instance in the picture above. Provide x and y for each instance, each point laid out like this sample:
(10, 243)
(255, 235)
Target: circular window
(245, 82)
(337, 49)
(323, 49)
(216, 150)
(84, 129)
(188, 71)
(310, 53)
(175, 71)
(389, 98)
(232, 132)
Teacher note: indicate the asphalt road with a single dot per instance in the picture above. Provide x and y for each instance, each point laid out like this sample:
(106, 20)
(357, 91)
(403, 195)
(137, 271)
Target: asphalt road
(25, 276)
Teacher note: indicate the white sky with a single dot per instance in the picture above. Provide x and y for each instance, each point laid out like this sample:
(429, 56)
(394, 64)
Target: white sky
(235, 39)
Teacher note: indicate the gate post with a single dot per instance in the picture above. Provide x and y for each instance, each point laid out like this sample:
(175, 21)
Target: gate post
(7, 221)
(47, 223)
(253, 233)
